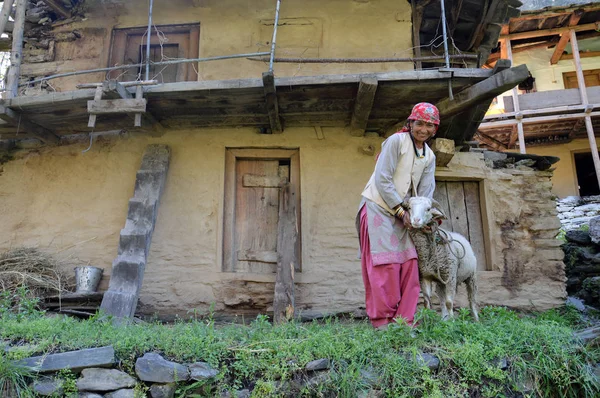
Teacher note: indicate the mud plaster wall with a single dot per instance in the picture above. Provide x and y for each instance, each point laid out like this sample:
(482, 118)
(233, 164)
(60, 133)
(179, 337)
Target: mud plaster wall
(75, 204)
(565, 176)
(309, 28)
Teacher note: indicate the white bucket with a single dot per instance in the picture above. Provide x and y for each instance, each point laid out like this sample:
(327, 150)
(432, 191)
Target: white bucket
(87, 279)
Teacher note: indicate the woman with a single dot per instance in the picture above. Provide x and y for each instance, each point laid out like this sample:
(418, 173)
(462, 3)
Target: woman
(405, 167)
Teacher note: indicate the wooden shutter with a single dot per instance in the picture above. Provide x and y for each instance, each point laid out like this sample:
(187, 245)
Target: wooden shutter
(461, 204)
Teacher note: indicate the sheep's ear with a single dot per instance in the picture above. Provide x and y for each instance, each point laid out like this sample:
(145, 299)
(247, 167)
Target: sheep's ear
(405, 205)
(437, 214)
(436, 204)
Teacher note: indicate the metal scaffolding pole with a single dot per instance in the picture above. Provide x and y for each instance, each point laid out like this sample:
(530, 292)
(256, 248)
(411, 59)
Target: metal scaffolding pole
(445, 34)
(274, 35)
(148, 34)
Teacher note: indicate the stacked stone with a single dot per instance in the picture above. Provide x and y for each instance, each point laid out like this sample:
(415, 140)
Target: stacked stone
(582, 260)
(575, 212)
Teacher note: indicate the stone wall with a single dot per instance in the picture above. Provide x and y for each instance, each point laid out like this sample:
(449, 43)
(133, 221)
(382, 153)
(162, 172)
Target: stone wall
(575, 212)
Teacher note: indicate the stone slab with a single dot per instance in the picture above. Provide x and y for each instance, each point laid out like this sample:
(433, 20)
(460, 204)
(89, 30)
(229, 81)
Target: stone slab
(73, 360)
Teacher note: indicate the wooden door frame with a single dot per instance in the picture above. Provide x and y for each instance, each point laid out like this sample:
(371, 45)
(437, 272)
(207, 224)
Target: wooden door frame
(486, 214)
(229, 205)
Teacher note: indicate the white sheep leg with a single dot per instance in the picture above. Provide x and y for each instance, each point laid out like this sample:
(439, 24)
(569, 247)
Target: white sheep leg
(441, 290)
(471, 284)
(426, 289)
(446, 296)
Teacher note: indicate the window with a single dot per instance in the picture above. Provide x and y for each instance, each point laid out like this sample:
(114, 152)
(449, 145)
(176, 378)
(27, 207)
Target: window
(253, 181)
(128, 46)
(591, 78)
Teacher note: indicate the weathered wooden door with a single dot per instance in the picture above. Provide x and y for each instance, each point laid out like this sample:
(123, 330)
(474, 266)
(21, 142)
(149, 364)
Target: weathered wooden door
(252, 208)
(460, 201)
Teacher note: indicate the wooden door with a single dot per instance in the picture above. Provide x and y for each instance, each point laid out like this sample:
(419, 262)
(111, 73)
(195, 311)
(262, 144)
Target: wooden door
(460, 202)
(591, 77)
(253, 189)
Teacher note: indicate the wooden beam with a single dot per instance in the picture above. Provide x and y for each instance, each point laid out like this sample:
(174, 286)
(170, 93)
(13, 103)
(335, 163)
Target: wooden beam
(554, 12)
(113, 86)
(363, 105)
(489, 141)
(589, 127)
(564, 38)
(514, 136)
(587, 54)
(16, 54)
(482, 91)
(502, 54)
(271, 102)
(59, 8)
(17, 119)
(103, 107)
(97, 97)
(417, 18)
(284, 298)
(550, 32)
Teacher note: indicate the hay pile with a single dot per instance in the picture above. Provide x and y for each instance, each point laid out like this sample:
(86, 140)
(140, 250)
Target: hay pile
(41, 273)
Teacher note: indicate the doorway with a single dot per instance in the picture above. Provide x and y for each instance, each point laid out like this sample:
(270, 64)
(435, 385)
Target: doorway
(586, 174)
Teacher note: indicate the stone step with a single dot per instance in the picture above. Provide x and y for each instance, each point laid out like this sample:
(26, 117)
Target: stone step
(149, 184)
(127, 274)
(134, 242)
(141, 210)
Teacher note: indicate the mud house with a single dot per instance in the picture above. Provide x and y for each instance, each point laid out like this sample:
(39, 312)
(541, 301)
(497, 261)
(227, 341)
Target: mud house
(559, 105)
(257, 149)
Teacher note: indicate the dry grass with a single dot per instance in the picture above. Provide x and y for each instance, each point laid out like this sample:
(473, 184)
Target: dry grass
(40, 272)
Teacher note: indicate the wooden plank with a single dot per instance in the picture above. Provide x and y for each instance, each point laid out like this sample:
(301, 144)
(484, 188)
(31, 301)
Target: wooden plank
(16, 53)
(139, 94)
(97, 97)
(103, 107)
(475, 223)
(483, 91)
(263, 256)
(284, 297)
(458, 209)
(564, 37)
(256, 212)
(363, 105)
(228, 260)
(17, 119)
(550, 32)
(441, 195)
(113, 86)
(271, 102)
(582, 54)
(260, 181)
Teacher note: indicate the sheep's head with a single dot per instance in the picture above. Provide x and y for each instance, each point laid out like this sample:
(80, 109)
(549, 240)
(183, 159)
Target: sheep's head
(423, 211)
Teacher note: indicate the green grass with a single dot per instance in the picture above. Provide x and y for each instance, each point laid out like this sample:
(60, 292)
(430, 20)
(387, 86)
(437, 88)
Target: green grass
(539, 348)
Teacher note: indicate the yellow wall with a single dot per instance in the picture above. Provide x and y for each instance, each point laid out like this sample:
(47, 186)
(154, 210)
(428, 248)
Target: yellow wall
(564, 179)
(337, 28)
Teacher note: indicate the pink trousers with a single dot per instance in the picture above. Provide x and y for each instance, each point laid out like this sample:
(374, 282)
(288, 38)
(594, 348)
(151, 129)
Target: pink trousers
(391, 290)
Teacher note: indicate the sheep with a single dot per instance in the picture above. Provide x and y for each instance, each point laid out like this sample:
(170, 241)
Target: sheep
(445, 258)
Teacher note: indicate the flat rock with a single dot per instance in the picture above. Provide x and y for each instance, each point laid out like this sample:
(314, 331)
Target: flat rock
(152, 367)
(97, 379)
(424, 359)
(595, 230)
(202, 371)
(89, 395)
(575, 302)
(579, 237)
(318, 364)
(48, 387)
(123, 393)
(73, 360)
(163, 390)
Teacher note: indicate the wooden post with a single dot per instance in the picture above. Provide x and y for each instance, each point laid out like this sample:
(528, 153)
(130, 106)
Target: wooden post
(284, 299)
(564, 37)
(515, 96)
(6, 9)
(16, 52)
(417, 18)
(584, 101)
